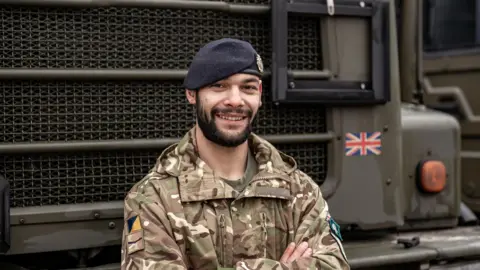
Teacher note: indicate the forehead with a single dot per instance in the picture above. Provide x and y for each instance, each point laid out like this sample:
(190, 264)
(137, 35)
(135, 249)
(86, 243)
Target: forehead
(241, 78)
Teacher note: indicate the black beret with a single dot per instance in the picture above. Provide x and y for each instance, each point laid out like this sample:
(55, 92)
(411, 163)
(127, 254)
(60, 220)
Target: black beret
(220, 59)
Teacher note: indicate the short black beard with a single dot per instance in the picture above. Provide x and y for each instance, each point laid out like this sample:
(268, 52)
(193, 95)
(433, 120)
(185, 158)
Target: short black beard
(210, 131)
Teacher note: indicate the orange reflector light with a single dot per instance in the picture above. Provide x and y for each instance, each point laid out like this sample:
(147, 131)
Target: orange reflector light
(433, 176)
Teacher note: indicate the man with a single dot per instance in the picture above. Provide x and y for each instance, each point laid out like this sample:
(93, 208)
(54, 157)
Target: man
(223, 197)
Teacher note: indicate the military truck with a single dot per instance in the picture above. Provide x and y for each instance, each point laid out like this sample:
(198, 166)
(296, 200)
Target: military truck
(376, 100)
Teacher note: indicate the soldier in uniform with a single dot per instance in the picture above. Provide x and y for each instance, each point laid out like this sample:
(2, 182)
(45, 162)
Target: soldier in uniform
(223, 197)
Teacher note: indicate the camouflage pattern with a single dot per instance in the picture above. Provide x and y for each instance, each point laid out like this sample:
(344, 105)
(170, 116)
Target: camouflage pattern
(190, 219)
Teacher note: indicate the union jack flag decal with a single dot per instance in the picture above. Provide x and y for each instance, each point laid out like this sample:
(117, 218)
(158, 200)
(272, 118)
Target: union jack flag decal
(363, 143)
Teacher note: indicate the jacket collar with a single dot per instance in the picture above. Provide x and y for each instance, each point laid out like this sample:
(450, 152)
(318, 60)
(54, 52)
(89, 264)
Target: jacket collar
(198, 182)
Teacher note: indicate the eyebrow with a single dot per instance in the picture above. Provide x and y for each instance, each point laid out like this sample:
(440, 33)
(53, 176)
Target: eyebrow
(249, 80)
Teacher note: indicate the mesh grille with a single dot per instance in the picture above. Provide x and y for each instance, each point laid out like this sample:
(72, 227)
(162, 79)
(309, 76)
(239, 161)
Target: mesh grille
(33, 111)
(82, 178)
(114, 110)
(51, 179)
(138, 37)
(64, 111)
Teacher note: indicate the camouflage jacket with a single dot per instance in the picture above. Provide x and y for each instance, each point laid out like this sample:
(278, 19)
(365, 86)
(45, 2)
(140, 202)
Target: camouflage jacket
(181, 216)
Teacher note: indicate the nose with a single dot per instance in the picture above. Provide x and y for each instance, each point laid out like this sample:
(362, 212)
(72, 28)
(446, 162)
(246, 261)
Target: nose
(234, 98)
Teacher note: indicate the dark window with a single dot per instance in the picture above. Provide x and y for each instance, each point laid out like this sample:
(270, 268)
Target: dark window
(451, 24)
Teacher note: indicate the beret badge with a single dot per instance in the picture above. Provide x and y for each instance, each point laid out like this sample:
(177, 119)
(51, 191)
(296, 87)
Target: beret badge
(259, 63)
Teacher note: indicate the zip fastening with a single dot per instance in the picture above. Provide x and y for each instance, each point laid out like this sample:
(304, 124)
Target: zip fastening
(256, 178)
(264, 230)
(270, 177)
(222, 239)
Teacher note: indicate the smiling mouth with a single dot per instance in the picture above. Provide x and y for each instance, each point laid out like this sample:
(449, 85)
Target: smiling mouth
(230, 117)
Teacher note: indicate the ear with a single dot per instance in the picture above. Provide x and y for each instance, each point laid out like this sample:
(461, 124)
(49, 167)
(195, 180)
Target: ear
(191, 96)
(260, 90)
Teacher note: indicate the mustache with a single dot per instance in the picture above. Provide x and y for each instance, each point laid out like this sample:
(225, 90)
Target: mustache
(246, 112)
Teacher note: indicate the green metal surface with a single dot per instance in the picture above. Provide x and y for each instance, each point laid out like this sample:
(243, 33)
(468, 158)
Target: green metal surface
(437, 245)
(430, 135)
(65, 236)
(370, 190)
(450, 79)
(115, 145)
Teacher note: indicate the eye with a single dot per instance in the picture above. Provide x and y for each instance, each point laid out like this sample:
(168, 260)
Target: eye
(250, 88)
(217, 86)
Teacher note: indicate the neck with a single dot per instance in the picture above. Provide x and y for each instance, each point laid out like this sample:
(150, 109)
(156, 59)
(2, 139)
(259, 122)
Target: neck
(227, 162)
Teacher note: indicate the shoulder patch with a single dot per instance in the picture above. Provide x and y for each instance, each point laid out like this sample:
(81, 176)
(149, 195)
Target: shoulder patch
(335, 232)
(134, 224)
(135, 241)
(334, 227)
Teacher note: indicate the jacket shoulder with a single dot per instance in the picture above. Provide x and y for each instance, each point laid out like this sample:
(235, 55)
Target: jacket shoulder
(302, 183)
(153, 188)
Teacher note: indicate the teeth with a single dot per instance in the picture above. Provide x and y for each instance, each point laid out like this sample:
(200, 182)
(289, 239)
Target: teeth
(231, 118)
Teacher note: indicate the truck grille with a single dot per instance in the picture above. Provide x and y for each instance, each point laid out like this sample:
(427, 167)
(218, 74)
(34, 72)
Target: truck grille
(132, 38)
(138, 38)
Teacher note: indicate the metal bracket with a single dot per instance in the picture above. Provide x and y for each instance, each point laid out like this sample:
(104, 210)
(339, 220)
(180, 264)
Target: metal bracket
(330, 7)
(287, 90)
(409, 243)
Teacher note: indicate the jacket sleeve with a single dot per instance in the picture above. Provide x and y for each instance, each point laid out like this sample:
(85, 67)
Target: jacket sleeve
(316, 226)
(147, 241)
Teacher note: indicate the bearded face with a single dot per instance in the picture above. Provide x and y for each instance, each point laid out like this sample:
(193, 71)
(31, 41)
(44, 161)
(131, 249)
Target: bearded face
(226, 109)
(227, 127)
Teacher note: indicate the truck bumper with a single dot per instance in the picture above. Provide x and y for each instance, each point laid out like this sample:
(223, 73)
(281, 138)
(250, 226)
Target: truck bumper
(457, 248)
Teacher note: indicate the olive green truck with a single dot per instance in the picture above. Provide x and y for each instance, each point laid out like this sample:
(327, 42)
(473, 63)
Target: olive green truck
(378, 101)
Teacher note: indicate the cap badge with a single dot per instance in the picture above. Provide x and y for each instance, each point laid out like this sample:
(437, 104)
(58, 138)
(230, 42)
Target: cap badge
(259, 63)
